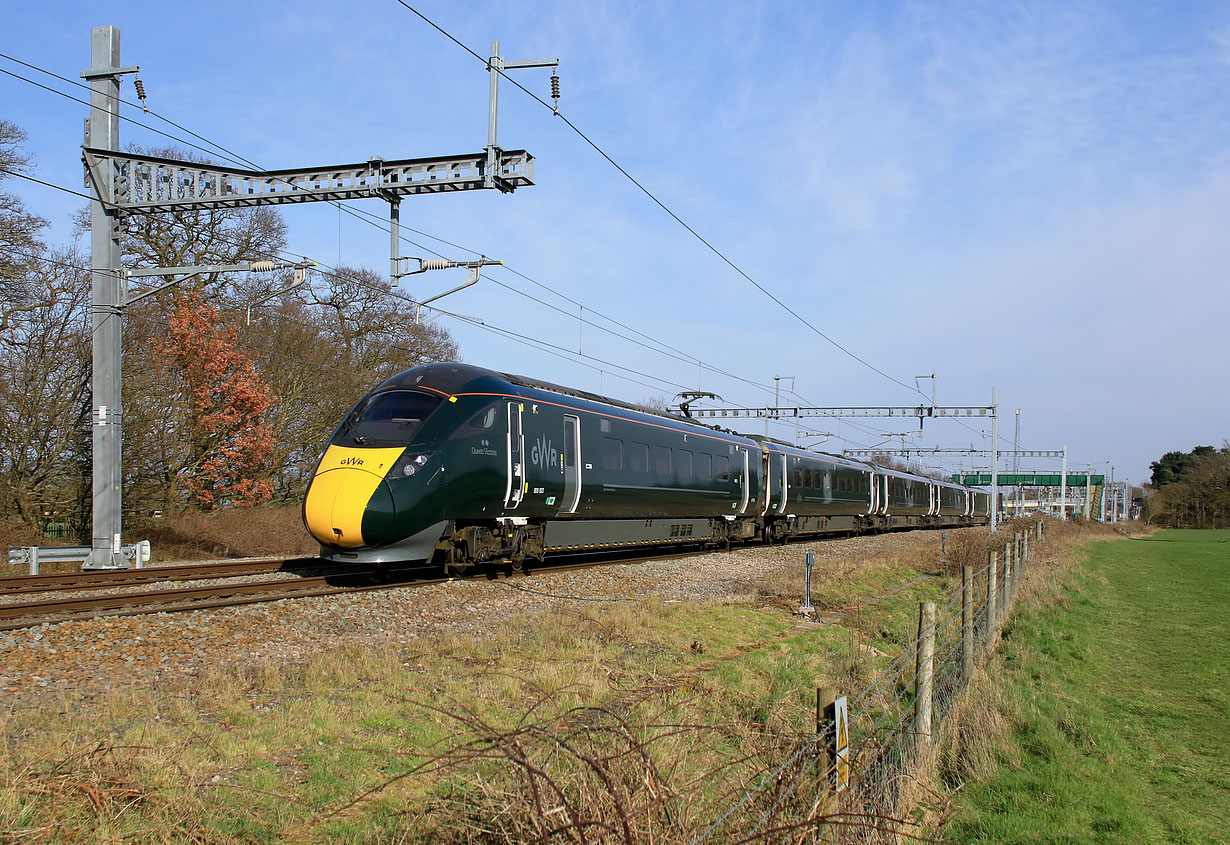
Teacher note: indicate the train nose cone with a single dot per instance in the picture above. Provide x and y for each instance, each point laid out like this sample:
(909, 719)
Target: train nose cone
(349, 504)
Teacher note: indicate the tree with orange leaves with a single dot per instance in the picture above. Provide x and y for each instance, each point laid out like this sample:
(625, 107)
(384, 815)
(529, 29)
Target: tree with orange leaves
(225, 433)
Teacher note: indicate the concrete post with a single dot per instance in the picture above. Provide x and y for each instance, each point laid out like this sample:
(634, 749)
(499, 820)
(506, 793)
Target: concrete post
(967, 622)
(992, 594)
(923, 668)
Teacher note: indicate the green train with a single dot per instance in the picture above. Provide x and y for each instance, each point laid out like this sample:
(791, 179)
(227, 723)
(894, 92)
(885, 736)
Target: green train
(457, 465)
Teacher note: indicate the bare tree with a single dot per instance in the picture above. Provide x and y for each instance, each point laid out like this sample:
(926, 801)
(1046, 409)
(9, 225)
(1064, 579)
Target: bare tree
(45, 392)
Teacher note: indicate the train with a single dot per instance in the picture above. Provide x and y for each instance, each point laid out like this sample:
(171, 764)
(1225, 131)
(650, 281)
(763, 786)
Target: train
(456, 465)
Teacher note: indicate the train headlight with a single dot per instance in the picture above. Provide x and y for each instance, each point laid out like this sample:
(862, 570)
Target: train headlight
(415, 462)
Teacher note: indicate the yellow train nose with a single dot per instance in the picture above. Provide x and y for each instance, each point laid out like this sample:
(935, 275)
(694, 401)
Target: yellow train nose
(348, 504)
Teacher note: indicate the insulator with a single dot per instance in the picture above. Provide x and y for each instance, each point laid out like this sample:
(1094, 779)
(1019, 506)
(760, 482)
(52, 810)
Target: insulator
(261, 266)
(436, 264)
(555, 86)
(141, 93)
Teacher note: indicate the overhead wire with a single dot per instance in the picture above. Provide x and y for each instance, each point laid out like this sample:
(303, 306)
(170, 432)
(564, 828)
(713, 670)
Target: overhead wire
(371, 219)
(656, 200)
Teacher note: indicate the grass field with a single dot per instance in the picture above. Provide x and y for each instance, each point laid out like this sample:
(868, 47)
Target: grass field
(1115, 698)
(648, 715)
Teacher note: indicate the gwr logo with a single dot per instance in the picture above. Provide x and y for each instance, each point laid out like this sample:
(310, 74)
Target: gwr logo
(542, 454)
(351, 462)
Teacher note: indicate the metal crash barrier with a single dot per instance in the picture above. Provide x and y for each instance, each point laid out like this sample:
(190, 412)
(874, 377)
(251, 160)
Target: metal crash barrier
(138, 553)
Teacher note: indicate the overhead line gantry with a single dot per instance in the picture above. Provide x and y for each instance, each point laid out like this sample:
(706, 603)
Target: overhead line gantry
(919, 412)
(124, 184)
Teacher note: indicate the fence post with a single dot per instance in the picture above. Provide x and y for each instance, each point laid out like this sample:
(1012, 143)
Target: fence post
(967, 622)
(991, 594)
(825, 696)
(923, 666)
(943, 544)
(1009, 554)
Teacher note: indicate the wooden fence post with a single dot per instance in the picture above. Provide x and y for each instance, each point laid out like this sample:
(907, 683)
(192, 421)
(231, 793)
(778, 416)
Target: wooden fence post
(967, 622)
(924, 666)
(992, 620)
(825, 728)
(1009, 554)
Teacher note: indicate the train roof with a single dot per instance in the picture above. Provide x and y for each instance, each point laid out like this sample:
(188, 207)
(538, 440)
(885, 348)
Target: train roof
(459, 378)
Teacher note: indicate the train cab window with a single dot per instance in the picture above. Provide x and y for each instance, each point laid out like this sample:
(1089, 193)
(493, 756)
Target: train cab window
(704, 466)
(722, 468)
(612, 453)
(387, 419)
(662, 461)
(683, 462)
(484, 420)
(638, 457)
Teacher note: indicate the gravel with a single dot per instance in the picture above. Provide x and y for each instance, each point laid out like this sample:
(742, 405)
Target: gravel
(83, 659)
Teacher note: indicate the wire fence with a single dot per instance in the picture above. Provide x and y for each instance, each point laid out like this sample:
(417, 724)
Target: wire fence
(894, 725)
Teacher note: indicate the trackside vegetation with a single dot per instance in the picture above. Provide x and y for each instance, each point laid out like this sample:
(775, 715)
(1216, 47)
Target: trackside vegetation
(1106, 719)
(637, 720)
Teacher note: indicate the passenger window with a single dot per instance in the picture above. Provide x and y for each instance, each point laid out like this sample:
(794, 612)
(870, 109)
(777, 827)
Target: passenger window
(798, 477)
(612, 453)
(662, 460)
(683, 462)
(638, 457)
(722, 468)
(604, 425)
(704, 466)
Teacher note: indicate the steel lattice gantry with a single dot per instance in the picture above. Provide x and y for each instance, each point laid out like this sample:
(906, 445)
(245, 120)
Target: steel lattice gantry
(123, 184)
(149, 184)
(919, 412)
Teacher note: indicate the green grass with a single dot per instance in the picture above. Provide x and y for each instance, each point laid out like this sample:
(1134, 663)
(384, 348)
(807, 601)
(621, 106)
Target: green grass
(715, 694)
(1116, 699)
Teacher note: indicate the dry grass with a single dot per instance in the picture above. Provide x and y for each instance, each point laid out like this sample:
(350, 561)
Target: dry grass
(272, 531)
(601, 722)
(237, 532)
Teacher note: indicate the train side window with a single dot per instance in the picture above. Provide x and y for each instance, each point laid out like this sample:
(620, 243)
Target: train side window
(604, 425)
(798, 477)
(683, 461)
(722, 468)
(484, 420)
(612, 453)
(638, 457)
(704, 466)
(662, 460)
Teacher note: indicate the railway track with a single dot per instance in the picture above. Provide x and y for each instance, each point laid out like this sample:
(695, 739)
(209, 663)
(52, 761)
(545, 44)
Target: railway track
(53, 582)
(27, 614)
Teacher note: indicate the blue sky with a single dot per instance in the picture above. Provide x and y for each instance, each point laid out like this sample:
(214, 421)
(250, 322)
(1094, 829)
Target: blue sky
(1028, 196)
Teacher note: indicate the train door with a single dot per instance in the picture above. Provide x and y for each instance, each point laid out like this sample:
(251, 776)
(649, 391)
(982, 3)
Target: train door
(514, 490)
(743, 479)
(783, 489)
(572, 464)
